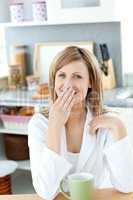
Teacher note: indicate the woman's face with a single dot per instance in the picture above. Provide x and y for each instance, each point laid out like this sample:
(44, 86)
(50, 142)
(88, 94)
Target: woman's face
(75, 75)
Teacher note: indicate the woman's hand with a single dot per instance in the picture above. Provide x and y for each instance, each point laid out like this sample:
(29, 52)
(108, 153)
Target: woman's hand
(111, 122)
(59, 113)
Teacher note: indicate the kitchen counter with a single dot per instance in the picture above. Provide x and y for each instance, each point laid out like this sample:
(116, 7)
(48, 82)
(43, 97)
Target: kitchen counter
(104, 194)
(20, 98)
(113, 98)
(118, 97)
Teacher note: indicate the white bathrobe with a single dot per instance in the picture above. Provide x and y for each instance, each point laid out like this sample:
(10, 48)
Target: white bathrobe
(110, 162)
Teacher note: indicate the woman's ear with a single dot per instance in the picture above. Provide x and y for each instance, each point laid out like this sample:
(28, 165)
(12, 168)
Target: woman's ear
(55, 95)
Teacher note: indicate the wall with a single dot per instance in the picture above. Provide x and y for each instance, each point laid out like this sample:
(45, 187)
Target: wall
(99, 32)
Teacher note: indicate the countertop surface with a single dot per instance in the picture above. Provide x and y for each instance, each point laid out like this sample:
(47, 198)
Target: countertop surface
(117, 97)
(104, 194)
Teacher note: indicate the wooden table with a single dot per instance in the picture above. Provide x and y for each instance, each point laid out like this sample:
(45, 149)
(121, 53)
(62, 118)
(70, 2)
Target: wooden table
(104, 194)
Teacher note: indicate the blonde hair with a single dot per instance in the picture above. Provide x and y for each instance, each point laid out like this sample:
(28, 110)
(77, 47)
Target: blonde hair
(94, 98)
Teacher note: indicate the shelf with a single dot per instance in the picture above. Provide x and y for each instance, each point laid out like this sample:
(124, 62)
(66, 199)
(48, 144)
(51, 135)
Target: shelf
(23, 164)
(22, 182)
(30, 23)
(13, 131)
(50, 23)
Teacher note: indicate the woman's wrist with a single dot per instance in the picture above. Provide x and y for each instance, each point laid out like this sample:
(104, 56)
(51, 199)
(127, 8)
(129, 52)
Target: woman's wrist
(120, 131)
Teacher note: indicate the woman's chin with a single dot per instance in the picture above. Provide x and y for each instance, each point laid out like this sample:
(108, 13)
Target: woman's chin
(77, 103)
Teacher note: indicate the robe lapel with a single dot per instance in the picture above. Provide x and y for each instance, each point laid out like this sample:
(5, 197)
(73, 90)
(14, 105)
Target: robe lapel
(63, 142)
(87, 147)
(88, 144)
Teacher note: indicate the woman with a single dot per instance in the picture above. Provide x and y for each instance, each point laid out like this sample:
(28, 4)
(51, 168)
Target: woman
(79, 135)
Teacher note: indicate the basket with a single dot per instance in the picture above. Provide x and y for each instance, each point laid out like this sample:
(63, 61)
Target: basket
(5, 185)
(15, 122)
(16, 147)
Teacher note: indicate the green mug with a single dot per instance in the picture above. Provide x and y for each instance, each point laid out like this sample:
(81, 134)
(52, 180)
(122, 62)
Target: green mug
(81, 186)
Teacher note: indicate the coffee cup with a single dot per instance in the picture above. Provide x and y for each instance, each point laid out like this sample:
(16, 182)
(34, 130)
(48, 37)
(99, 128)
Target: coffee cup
(80, 185)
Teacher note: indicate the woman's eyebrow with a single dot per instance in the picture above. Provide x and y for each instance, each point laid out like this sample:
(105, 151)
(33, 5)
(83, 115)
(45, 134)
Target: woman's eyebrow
(61, 72)
(72, 73)
(77, 73)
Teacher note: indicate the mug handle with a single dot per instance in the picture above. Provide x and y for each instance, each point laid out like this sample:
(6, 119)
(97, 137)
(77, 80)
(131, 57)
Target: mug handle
(62, 190)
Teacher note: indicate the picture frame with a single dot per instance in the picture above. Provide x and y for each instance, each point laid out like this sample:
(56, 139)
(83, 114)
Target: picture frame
(45, 52)
(104, 12)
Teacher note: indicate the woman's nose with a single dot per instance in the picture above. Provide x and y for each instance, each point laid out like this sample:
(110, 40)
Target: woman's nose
(67, 84)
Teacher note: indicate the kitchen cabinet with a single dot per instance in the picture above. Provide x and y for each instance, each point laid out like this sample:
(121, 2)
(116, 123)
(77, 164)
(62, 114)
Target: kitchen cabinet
(19, 98)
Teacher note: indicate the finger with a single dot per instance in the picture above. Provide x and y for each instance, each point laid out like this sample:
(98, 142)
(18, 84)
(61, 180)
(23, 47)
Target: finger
(95, 121)
(66, 96)
(71, 104)
(68, 100)
(61, 95)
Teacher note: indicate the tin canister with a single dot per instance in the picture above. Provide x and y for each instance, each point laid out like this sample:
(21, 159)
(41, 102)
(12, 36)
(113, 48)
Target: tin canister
(39, 11)
(17, 12)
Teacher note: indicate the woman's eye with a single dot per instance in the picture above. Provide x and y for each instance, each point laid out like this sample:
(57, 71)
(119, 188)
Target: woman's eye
(78, 76)
(61, 75)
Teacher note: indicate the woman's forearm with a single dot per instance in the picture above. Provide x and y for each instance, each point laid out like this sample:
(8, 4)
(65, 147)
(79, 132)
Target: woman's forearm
(53, 139)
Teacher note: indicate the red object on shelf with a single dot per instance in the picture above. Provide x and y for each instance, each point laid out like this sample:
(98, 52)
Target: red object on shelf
(5, 185)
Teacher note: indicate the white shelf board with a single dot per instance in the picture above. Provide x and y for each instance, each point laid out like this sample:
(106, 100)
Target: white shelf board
(22, 164)
(50, 23)
(13, 131)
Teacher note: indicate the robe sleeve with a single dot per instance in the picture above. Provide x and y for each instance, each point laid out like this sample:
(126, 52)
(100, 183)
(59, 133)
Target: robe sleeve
(47, 167)
(119, 161)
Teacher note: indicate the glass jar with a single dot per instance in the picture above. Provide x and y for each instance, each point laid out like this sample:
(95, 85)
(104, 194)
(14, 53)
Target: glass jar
(18, 56)
(18, 62)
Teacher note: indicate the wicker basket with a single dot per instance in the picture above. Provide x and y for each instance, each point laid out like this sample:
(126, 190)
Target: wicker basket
(5, 185)
(16, 147)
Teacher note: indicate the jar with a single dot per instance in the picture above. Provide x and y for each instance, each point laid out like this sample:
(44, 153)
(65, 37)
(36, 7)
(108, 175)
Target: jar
(18, 63)
(39, 10)
(16, 78)
(17, 11)
(18, 56)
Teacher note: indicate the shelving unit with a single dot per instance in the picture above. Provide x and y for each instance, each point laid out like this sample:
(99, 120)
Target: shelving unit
(18, 98)
(58, 15)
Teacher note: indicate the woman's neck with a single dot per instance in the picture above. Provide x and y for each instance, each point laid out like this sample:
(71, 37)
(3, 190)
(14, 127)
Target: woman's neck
(78, 114)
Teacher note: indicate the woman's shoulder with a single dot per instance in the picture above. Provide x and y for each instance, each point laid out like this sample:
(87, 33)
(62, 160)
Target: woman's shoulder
(37, 130)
